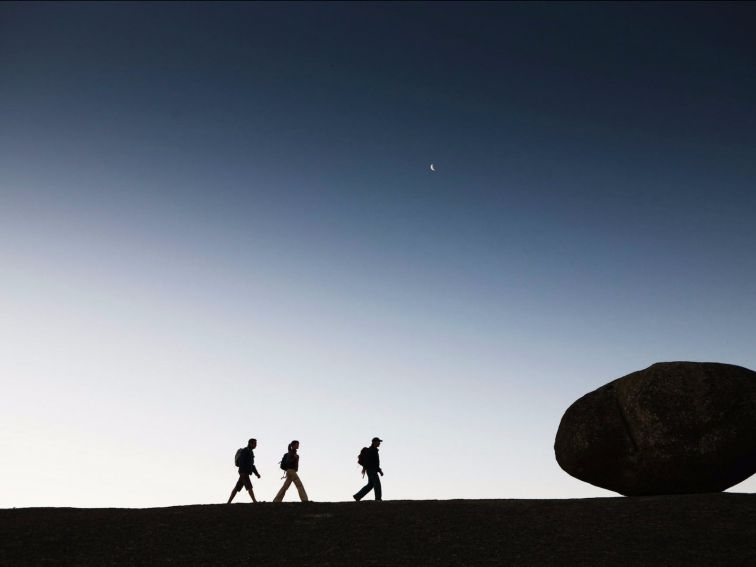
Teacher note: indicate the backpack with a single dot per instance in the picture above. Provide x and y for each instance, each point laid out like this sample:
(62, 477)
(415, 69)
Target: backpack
(285, 461)
(362, 457)
(238, 457)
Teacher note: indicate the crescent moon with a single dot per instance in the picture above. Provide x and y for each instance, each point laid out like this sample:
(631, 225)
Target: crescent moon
(432, 167)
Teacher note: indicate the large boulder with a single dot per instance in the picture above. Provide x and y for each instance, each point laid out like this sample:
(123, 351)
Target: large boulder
(675, 427)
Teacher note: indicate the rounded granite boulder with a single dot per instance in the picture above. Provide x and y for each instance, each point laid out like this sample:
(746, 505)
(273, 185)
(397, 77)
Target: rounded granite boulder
(673, 428)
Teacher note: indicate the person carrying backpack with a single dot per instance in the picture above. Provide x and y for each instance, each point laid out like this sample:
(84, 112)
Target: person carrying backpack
(290, 464)
(245, 460)
(371, 464)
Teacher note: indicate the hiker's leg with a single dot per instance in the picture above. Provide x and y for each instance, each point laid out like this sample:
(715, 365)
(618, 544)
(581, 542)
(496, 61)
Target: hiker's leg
(237, 488)
(377, 486)
(285, 487)
(248, 486)
(300, 488)
(365, 489)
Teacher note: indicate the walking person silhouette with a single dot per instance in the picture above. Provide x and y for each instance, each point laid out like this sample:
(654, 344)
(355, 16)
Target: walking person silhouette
(371, 464)
(245, 460)
(290, 463)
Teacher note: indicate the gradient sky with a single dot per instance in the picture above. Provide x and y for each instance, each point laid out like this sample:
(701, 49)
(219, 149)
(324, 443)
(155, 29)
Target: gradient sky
(218, 222)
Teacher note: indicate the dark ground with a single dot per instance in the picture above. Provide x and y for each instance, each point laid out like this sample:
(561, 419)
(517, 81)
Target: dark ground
(706, 529)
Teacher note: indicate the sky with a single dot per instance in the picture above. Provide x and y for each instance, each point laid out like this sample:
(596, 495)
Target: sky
(218, 221)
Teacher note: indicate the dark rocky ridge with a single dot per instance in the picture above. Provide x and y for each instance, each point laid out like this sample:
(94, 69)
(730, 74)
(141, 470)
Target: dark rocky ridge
(703, 529)
(673, 428)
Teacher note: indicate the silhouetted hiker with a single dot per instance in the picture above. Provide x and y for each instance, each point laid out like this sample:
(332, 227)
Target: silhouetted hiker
(290, 464)
(245, 460)
(371, 464)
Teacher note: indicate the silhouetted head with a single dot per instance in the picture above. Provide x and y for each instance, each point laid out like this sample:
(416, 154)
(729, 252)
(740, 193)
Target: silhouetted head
(252, 443)
(294, 445)
(376, 442)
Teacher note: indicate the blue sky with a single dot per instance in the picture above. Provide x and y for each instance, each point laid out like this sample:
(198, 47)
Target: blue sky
(217, 221)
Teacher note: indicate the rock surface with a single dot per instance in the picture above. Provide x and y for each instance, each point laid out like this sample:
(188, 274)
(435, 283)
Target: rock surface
(669, 531)
(673, 428)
